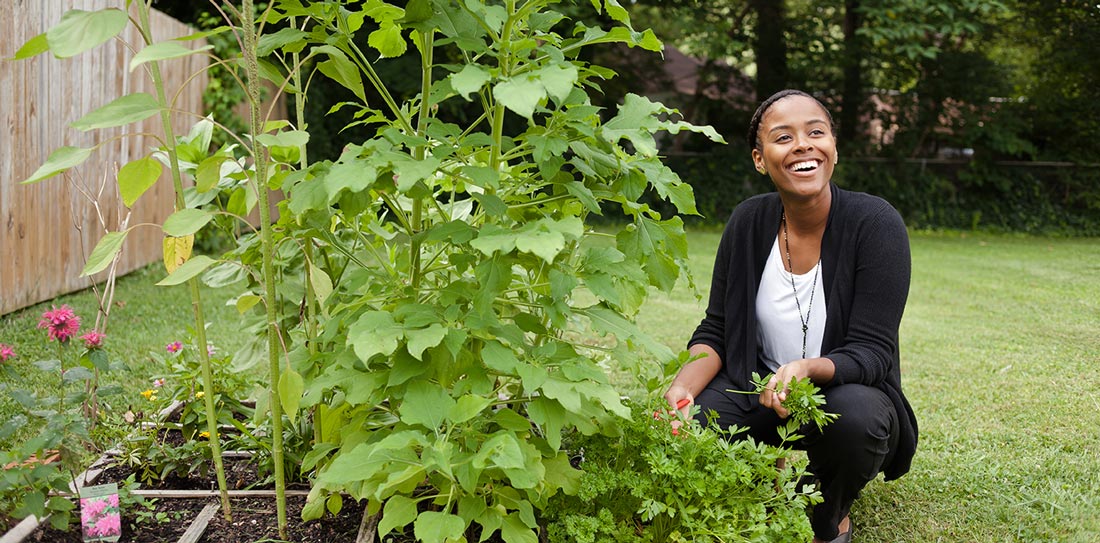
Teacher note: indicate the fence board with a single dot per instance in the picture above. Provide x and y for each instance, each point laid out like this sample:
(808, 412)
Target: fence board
(48, 229)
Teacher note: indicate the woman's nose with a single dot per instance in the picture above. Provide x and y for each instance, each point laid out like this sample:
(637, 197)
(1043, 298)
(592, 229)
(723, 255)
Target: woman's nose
(803, 143)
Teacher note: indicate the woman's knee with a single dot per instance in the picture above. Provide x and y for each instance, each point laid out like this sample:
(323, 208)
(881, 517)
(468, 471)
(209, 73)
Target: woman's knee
(864, 429)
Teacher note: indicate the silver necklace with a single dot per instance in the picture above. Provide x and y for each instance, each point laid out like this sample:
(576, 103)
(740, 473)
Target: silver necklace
(817, 270)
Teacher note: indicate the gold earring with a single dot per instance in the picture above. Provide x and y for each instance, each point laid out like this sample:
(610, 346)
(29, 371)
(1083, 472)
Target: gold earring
(762, 170)
(836, 158)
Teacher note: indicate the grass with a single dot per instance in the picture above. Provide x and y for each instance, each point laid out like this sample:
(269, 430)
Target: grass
(143, 318)
(999, 356)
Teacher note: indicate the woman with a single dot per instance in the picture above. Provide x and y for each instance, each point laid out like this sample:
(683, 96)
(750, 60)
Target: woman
(809, 281)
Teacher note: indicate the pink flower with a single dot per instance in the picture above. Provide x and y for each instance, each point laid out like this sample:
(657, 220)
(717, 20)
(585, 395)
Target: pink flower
(157, 383)
(210, 350)
(91, 509)
(108, 525)
(61, 323)
(93, 339)
(174, 347)
(6, 352)
(112, 500)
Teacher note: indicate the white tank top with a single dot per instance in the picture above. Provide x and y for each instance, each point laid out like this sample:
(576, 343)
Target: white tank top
(779, 328)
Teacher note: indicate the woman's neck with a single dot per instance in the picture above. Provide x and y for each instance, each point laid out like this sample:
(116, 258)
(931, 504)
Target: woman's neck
(807, 217)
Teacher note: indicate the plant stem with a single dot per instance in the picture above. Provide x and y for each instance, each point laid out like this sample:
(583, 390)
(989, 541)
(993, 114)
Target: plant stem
(303, 163)
(505, 69)
(260, 157)
(193, 283)
(421, 150)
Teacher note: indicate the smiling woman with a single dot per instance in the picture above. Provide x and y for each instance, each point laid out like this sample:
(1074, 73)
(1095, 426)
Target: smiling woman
(809, 282)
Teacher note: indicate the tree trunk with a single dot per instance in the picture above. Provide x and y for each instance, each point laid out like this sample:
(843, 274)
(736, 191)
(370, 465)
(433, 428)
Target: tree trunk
(851, 98)
(770, 47)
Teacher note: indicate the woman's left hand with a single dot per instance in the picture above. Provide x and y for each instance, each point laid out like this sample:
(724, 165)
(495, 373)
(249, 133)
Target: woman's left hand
(818, 370)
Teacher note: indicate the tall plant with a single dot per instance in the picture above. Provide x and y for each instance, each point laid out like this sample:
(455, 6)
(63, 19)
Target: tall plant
(456, 279)
(77, 32)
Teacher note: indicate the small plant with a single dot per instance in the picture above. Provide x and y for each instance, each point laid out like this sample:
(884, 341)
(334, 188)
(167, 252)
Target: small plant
(804, 403)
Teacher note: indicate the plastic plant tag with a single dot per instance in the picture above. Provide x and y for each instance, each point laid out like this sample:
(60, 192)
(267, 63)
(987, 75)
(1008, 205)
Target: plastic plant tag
(100, 517)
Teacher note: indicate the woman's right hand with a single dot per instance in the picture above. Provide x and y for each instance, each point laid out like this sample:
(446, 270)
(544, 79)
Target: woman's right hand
(676, 396)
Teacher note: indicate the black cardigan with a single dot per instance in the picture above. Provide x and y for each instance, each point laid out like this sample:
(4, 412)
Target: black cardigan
(865, 269)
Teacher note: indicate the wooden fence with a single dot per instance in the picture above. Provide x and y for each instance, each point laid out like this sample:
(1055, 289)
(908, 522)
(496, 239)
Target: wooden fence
(48, 229)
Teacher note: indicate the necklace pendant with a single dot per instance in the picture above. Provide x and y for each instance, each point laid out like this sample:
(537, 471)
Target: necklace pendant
(805, 328)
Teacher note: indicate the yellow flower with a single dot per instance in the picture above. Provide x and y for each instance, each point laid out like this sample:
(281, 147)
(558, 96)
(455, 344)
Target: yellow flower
(149, 394)
(199, 395)
(204, 435)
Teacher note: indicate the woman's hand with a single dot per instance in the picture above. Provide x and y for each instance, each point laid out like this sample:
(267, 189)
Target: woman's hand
(818, 370)
(679, 397)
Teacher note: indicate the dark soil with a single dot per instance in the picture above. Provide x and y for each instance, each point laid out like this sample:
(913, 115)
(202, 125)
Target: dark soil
(240, 474)
(254, 519)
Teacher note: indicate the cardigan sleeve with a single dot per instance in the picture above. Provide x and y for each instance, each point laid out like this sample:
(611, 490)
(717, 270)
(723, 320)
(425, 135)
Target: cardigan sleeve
(712, 330)
(869, 350)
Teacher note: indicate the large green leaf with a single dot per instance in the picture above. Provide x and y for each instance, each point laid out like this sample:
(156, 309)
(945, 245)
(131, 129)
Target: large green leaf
(493, 238)
(467, 407)
(646, 39)
(420, 339)
(208, 173)
(502, 451)
(291, 387)
(608, 321)
(289, 39)
(289, 138)
(33, 47)
(164, 51)
(137, 177)
(520, 94)
(436, 527)
(104, 253)
(374, 333)
(670, 187)
(426, 404)
(514, 530)
(469, 79)
(387, 40)
(189, 269)
(80, 30)
(398, 513)
(186, 221)
(59, 161)
(558, 80)
(341, 70)
(122, 111)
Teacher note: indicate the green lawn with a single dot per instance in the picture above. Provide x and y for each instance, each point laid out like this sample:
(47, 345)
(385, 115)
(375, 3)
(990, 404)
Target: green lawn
(1000, 348)
(143, 318)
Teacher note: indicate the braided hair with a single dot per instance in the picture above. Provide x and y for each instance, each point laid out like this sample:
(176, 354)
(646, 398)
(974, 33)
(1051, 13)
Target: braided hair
(754, 124)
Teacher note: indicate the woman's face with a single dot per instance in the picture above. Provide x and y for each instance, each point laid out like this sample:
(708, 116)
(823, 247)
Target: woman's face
(798, 149)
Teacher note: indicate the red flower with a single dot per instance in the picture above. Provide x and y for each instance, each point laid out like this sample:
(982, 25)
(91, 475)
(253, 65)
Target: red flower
(6, 352)
(93, 339)
(61, 323)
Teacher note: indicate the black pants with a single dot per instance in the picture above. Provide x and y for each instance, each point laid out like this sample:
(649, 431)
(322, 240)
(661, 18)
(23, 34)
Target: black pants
(846, 455)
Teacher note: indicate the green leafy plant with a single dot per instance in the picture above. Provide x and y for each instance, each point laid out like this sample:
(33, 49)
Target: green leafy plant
(805, 405)
(445, 262)
(651, 484)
